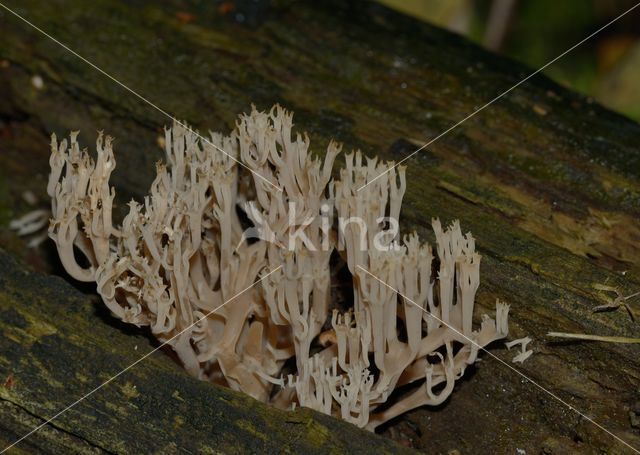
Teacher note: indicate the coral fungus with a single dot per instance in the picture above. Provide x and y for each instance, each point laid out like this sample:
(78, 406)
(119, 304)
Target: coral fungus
(184, 262)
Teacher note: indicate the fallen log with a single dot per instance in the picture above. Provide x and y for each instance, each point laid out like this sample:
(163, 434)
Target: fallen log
(57, 345)
(546, 179)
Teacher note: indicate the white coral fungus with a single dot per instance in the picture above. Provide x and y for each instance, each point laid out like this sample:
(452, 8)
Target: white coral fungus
(524, 353)
(365, 355)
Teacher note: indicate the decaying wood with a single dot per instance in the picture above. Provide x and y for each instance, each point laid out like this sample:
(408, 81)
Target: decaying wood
(547, 180)
(57, 345)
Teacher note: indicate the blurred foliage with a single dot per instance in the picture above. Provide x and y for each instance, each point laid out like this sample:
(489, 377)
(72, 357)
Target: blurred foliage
(534, 32)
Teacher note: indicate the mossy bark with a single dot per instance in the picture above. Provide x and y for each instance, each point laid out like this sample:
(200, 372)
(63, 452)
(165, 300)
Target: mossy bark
(57, 344)
(548, 181)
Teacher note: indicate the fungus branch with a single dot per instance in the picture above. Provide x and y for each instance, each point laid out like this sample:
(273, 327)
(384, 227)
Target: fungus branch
(186, 249)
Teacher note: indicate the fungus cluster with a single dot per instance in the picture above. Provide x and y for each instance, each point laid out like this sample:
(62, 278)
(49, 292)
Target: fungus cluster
(184, 261)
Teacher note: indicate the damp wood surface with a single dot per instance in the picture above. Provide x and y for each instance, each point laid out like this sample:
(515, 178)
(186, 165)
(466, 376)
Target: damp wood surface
(547, 181)
(57, 344)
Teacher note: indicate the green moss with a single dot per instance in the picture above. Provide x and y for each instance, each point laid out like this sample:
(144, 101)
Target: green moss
(251, 429)
(578, 156)
(318, 434)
